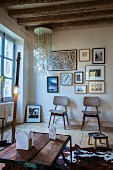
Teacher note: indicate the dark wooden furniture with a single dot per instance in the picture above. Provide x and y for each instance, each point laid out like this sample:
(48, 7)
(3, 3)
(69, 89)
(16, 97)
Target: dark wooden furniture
(91, 102)
(59, 101)
(44, 152)
(2, 127)
(99, 136)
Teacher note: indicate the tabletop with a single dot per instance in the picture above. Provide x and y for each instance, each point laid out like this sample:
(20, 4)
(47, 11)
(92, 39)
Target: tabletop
(43, 152)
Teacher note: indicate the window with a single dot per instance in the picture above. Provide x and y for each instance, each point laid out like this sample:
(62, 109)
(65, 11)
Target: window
(7, 66)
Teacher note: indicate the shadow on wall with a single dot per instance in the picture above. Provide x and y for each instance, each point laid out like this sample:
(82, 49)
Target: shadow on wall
(106, 109)
(72, 107)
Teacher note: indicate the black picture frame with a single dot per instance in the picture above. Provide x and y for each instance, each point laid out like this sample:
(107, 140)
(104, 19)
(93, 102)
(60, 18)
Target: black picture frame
(52, 84)
(33, 113)
(78, 77)
(98, 56)
(63, 60)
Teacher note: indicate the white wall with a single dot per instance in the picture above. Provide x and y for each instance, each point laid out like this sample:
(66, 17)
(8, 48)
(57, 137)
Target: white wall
(34, 86)
(22, 39)
(80, 38)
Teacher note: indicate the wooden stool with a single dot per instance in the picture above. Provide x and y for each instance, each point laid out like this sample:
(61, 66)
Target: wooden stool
(99, 136)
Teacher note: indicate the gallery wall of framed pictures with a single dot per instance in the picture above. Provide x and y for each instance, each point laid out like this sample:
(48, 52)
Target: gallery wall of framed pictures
(91, 79)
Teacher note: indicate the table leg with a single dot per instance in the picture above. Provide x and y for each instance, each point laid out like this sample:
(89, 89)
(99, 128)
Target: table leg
(95, 143)
(2, 128)
(68, 162)
(88, 139)
(70, 149)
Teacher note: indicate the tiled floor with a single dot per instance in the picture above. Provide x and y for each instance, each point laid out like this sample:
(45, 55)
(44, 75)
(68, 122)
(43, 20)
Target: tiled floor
(78, 137)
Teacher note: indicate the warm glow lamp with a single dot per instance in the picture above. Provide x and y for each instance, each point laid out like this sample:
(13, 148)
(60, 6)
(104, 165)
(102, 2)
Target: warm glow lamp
(15, 90)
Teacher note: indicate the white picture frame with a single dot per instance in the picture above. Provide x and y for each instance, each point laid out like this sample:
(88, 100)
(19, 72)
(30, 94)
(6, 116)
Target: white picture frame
(80, 89)
(95, 72)
(33, 113)
(96, 87)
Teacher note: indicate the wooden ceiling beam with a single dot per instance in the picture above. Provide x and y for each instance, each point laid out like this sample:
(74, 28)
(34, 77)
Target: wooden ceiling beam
(64, 8)
(55, 26)
(66, 17)
(6, 3)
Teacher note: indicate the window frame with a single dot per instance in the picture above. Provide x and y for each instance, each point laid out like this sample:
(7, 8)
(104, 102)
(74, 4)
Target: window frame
(12, 78)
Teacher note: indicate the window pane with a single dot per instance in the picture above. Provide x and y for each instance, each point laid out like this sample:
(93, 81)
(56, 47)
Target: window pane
(0, 45)
(0, 90)
(7, 89)
(8, 68)
(0, 66)
(8, 49)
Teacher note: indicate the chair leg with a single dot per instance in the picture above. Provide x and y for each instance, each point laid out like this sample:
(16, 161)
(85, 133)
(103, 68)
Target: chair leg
(98, 122)
(95, 143)
(49, 120)
(107, 142)
(54, 118)
(83, 120)
(67, 119)
(64, 122)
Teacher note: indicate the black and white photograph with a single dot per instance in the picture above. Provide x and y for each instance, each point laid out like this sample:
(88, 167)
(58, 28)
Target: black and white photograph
(33, 113)
(98, 55)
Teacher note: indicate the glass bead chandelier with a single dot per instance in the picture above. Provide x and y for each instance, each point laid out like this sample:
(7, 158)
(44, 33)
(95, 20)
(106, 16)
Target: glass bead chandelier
(43, 48)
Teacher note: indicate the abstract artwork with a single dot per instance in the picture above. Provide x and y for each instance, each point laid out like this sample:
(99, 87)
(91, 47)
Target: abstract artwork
(63, 60)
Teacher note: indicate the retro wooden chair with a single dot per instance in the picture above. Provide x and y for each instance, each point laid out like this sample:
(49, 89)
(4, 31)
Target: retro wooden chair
(92, 102)
(61, 101)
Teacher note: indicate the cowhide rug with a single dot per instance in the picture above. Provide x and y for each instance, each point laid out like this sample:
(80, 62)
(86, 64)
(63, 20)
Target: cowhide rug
(83, 158)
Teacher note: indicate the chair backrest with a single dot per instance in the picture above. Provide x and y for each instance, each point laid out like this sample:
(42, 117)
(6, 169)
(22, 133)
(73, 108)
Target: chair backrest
(91, 101)
(60, 100)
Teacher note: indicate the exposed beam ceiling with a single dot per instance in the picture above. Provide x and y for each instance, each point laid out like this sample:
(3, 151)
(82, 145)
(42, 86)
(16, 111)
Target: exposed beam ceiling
(24, 2)
(61, 15)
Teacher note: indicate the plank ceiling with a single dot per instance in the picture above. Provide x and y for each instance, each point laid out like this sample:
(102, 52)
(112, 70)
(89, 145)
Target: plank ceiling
(59, 14)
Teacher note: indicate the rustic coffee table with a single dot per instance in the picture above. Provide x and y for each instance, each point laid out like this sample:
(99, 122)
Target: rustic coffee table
(44, 152)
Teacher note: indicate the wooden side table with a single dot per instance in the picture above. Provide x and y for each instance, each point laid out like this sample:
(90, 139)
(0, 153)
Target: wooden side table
(99, 136)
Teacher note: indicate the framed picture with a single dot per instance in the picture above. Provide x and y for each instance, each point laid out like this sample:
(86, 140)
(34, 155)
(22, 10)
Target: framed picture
(33, 113)
(63, 60)
(80, 89)
(66, 79)
(98, 55)
(78, 77)
(84, 54)
(94, 72)
(96, 87)
(52, 84)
